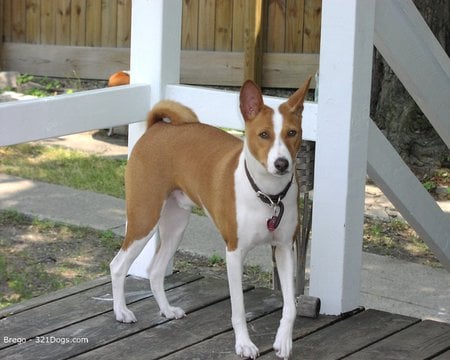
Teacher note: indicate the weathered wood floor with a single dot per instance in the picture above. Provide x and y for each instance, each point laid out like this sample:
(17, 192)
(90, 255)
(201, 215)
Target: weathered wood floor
(78, 323)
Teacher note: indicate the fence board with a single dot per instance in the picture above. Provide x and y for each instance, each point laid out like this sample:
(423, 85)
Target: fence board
(226, 68)
(239, 21)
(294, 26)
(93, 22)
(224, 20)
(33, 24)
(62, 22)
(48, 30)
(197, 67)
(276, 26)
(211, 67)
(51, 60)
(123, 23)
(1, 25)
(18, 21)
(6, 20)
(206, 22)
(311, 38)
(253, 41)
(288, 70)
(189, 25)
(78, 23)
(109, 23)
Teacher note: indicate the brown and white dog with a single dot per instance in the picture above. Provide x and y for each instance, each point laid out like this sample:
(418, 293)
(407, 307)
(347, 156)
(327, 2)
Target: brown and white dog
(248, 188)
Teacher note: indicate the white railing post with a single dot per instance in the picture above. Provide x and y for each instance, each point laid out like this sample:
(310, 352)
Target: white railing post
(155, 59)
(341, 152)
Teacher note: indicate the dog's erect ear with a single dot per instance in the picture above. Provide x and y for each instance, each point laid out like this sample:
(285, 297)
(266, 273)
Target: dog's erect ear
(296, 100)
(251, 100)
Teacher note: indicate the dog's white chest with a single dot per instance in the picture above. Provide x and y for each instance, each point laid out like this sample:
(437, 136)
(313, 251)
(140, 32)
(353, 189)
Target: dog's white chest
(253, 215)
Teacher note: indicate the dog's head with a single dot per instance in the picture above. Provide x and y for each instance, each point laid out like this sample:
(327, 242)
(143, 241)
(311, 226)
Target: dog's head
(273, 136)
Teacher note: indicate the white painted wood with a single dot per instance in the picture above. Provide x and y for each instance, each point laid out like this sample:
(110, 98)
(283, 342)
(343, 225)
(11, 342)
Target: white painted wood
(408, 45)
(30, 120)
(155, 50)
(341, 153)
(408, 195)
(155, 59)
(222, 107)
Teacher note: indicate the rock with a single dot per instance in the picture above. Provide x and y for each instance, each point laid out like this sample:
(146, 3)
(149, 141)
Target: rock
(8, 79)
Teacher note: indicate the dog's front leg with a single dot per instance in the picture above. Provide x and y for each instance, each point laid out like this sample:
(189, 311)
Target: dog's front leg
(244, 346)
(285, 263)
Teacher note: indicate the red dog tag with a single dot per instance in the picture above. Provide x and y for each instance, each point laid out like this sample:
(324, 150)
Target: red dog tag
(272, 223)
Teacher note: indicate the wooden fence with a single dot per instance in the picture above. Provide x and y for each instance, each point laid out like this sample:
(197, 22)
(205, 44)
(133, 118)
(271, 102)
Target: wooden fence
(91, 39)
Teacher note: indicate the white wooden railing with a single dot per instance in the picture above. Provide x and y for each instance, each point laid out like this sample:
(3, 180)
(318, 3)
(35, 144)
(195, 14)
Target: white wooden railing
(347, 142)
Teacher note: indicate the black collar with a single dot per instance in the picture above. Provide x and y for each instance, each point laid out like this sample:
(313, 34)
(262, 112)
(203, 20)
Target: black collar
(271, 200)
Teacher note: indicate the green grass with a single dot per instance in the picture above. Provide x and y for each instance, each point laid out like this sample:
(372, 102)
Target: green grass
(58, 165)
(396, 238)
(41, 256)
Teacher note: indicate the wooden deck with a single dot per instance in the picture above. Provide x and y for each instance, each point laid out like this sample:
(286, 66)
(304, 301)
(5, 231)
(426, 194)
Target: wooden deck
(79, 323)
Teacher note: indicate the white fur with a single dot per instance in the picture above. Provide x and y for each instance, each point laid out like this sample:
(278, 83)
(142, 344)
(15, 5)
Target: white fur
(278, 149)
(252, 215)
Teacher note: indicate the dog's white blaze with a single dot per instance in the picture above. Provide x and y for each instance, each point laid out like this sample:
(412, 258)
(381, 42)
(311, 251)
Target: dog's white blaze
(279, 148)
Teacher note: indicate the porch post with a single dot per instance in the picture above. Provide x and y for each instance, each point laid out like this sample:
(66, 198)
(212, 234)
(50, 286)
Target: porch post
(341, 152)
(155, 60)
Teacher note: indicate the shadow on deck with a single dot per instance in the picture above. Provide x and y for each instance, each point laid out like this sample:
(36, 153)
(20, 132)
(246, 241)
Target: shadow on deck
(78, 323)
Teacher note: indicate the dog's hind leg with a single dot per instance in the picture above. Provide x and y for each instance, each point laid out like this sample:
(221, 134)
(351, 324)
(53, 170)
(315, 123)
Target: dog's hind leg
(172, 224)
(119, 267)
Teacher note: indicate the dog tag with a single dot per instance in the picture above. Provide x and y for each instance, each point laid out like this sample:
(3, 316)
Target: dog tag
(272, 223)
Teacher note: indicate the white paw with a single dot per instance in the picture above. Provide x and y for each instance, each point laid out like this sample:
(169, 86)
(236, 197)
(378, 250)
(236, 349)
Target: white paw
(246, 349)
(173, 313)
(283, 346)
(125, 315)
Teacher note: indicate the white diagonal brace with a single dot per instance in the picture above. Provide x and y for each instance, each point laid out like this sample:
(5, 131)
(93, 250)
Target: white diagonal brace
(398, 183)
(417, 58)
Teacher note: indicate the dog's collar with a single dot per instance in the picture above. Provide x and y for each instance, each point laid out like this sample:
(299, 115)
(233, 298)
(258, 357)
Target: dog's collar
(273, 201)
(266, 198)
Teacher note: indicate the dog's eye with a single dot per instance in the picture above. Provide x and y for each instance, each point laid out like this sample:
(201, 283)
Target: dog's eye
(292, 133)
(264, 135)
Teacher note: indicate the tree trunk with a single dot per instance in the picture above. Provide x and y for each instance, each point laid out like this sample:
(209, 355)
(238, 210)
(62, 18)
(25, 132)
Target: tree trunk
(396, 113)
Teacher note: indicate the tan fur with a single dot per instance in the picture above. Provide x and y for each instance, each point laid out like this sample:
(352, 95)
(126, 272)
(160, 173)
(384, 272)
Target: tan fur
(258, 146)
(177, 113)
(162, 161)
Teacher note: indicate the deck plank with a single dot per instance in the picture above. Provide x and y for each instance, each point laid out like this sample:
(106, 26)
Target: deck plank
(53, 296)
(262, 332)
(85, 312)
(198, 326)
(444, 356)
(103, 328)
(346, 337)
(66, 311)
(420, 341)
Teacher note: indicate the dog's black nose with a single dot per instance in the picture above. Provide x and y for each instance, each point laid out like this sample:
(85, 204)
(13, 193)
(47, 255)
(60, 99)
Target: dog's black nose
(281, 164)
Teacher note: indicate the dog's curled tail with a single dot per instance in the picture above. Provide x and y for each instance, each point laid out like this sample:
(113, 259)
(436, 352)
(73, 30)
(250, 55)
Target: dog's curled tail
(176, 113)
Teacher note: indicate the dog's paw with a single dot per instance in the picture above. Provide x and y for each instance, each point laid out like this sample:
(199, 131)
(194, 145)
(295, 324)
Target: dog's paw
(282, 346)
(246, 349)
(125, 315)
(173, 313)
